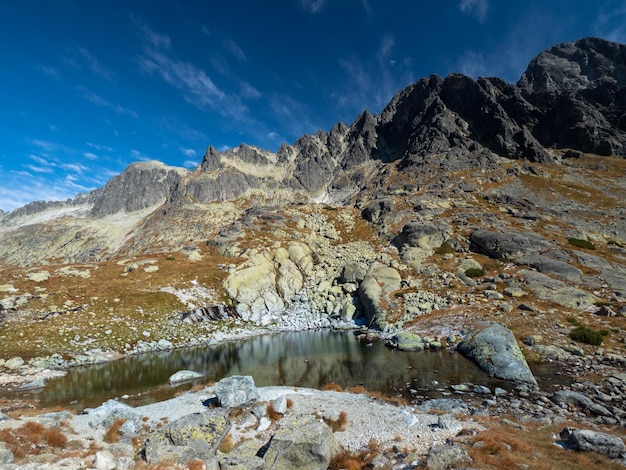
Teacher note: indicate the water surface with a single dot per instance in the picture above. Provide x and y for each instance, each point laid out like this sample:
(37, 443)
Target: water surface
(304, 359)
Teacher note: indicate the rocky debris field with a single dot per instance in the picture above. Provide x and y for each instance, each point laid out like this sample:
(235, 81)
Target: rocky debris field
(234, 424)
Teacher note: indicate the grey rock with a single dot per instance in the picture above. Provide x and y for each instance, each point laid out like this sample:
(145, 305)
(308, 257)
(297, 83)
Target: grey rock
(6, 456)
(507, 244)
(424, 235)
(196, 436)
(581, 400)
(236, 390)
(237, 462)
(104, 460)
(14, 363)
(552, 267)
(496, 351)
(588, 440)
(302, 442)
(375, 292)
(448, 405)
(376, 210)
(184, 376)
(33, 385)
(109, 411)
(280, 405)
(553, 290)
(443, 457)
(407, 341)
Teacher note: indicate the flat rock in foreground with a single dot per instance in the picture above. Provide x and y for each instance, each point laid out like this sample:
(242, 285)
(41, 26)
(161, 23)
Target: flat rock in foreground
(496, 351)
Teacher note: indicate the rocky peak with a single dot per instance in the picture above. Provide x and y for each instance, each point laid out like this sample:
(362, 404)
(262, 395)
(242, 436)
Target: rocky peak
(573, 66)
(141, 185)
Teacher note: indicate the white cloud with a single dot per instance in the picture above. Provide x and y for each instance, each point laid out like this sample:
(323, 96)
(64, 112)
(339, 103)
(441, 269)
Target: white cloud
(94, 65)
(232, 47)
(155, 39)
(188, 152)
(611, 23)
(50, 72)
(476, 8)
(39, 169)
(313, 6)
(104, 103)
(190, 164)
(371, 82)
(137, 155)
(90, 156)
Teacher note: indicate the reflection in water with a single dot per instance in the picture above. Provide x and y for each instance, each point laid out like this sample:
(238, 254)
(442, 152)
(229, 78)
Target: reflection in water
(305, 359)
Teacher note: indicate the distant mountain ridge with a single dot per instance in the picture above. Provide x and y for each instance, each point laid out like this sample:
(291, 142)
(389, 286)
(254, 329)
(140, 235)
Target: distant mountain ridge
(572, 96)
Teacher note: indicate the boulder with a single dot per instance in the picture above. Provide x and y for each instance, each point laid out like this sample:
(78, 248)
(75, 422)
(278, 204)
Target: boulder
(302, 442)
(443, 457)
(553, 290)
(496, 351)
(184, 376)
(588, 440)
(407, 341)
(106, 414)
(196, 436)
(6, 456)
(507, 244)
(104, 460)
(581, 400)
(302, 255)
(253, 287)
(552, 267)
(375, 292)
(424, 235)
(236, 390)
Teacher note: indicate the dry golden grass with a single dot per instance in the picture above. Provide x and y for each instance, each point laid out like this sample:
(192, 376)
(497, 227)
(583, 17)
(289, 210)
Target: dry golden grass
(272, 413)
(503, 447)
(332, 387)
(227, 445)
(338, 424)
(32, 438)
(357, 460)
(112, 434)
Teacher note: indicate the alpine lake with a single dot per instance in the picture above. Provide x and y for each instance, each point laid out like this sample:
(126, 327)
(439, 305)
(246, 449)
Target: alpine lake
(310, 359)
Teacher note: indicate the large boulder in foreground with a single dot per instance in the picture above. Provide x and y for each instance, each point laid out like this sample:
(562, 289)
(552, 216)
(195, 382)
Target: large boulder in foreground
(496, 351)
(196, 436)
(304, 443)
(587, 439)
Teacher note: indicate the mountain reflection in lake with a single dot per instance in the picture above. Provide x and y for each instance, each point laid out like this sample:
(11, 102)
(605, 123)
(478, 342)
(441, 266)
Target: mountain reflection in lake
(305, 359)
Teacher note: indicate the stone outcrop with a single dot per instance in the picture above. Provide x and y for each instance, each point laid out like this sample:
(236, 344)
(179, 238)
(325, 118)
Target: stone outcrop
(376, 293)
(495, 350)
(589, 440)
(195, 436)
(302, 442)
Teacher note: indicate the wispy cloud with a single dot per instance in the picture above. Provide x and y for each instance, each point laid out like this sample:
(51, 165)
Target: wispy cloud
(476, 8)
(232, 47)
(181, 129)
(90, 156)
(313, 6)
(95, 66)
(188, 152)
(50, 71)
(371, 82)
(197, 87)
(104, 103)
(509, 58)
(155, 39)
(190, 164)
(611, 23)
(138, 155)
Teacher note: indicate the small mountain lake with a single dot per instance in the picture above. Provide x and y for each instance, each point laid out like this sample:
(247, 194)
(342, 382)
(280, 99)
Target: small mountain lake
(303, 359)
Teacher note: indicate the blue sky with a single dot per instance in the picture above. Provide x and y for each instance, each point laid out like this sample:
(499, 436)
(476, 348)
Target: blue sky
(91, 86)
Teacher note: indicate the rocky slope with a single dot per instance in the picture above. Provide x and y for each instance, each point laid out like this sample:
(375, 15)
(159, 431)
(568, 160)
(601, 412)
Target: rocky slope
(463, 201)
